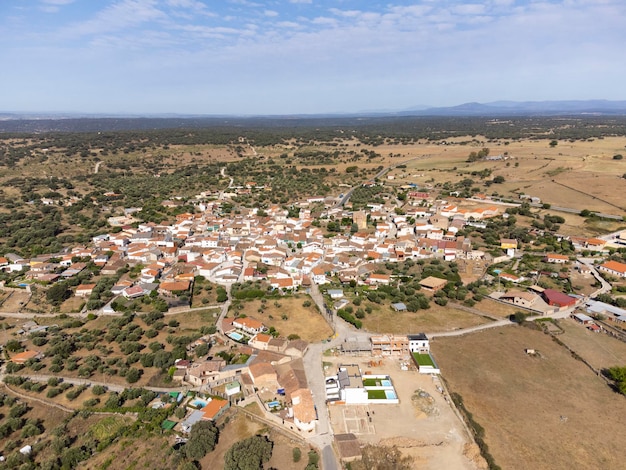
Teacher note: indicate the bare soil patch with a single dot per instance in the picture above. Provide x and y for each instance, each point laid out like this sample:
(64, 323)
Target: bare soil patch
(436, 318)
(534, 408)
(426, 429)
(599, 349)
(289, 316)
(14, 301)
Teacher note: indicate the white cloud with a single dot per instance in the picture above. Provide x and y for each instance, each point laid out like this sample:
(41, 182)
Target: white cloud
(301, 1)
(270, 13)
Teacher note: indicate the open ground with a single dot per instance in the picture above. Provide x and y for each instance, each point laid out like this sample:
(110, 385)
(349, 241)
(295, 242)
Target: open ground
(549, 411)
(436, 318)
(289, 317)
(433, 436)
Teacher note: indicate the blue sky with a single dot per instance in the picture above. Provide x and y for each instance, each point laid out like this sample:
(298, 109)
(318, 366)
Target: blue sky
(304, 56)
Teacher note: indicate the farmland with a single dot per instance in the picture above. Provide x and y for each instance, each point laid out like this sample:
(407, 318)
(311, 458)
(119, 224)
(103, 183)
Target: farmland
(533, 409)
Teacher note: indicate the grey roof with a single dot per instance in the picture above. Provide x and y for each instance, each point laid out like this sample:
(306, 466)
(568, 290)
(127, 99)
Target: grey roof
(418, 337)
(192, 419)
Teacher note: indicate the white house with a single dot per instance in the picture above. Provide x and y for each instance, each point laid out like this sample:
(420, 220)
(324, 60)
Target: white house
(419, 343)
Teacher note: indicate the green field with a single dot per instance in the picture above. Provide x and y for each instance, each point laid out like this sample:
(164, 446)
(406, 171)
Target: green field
(423, 359)
(376, 395)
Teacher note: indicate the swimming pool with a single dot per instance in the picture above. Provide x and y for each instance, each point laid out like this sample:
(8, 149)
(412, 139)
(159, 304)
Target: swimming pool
(197, 403)
(273, 404)
(391, 395)
(236, 336)
(385, 383)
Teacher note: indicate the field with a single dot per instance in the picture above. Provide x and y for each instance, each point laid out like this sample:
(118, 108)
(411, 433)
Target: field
(241, 427)
(426, 429)
(599, 349)
(289, 317)
(579, 175)
(544, 412)
(436, 318)
(181, 324)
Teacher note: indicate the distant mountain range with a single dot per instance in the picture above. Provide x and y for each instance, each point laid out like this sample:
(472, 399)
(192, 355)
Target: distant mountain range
(525, 108)
(84, 122)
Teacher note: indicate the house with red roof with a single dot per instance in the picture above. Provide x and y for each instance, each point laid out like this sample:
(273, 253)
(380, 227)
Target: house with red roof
(613, 268)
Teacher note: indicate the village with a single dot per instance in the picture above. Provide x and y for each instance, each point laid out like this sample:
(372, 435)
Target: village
(287, 254)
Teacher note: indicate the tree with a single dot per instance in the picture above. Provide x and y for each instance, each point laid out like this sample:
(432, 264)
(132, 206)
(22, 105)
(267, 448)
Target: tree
(553, 143)
(58, 293)
(249, 454)
(133, 375)
(202, 440)
(498, 179)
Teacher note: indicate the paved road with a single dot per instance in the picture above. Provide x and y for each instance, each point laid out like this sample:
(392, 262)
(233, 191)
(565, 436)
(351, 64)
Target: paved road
(605, 286)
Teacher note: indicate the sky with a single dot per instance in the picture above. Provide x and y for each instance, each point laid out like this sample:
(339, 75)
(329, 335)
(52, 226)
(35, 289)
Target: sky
(262, 57)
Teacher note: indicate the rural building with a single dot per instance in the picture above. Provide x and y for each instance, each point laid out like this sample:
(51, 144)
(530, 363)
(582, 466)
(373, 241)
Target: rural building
(558, 299)
(168, 288)
(214, 409)
(303, 409)
(233, 388)
(204, 372)
(260, 341)
(521, 299)
(357, 389)
(613, 268)
(419, 343)
(375, 279)
(556, 258)
(399, 307)
(612, 312)
(335, 293)
(433, 284)
(84, 290)
(389, 345)
(582, 318)
(249, 325)
(21, 358)
(263, 375)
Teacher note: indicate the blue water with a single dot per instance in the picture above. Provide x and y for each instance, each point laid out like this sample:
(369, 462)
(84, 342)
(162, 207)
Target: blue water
(236, 336)
(198, 403)
(391, 395)
(273, 404)
(385, 383)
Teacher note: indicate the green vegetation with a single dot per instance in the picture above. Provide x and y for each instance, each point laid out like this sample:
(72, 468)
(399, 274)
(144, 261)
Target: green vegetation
(423, 359)
(376, 395)
(618, 375)
(202, 440)
(249, 453)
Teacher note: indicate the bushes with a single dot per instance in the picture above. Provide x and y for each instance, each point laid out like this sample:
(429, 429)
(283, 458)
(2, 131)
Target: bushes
(202, 440)
(341, 313)
(252, 452)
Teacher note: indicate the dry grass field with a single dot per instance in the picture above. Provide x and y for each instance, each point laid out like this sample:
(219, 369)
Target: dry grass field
(436, 318)
(241, 427)
(600, 350)
(14, 301)
(579, 174)
(290, 317)
(546, 412)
